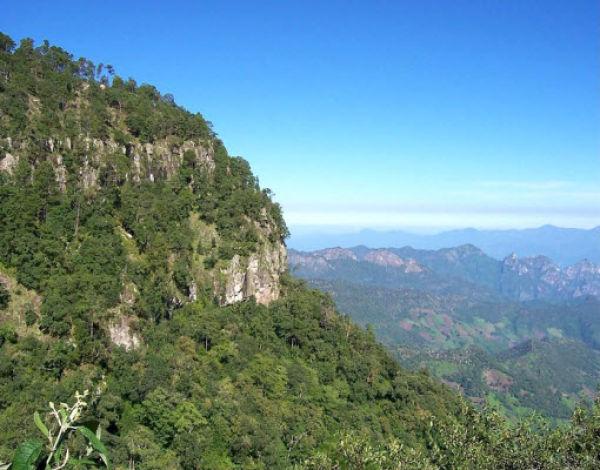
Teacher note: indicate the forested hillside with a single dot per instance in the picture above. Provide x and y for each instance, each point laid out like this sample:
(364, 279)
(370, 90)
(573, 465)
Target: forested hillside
(141, 262)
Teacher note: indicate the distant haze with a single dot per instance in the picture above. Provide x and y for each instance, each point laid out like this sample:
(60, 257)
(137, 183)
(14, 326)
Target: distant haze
(563, 245)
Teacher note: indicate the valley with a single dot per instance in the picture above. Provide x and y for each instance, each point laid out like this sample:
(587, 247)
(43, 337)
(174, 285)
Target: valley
(521, 333)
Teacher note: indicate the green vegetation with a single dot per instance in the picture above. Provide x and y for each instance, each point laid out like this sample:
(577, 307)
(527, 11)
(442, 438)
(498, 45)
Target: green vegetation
(549, 376)
(113, 270)
(61, 439)
(485, 442)
(245, 385)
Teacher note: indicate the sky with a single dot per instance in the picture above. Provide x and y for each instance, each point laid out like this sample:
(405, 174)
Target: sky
(410, 114)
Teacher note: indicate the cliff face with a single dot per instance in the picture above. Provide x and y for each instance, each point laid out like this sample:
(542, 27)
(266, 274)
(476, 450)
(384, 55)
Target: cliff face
(324, 260)
(255, 277)
(243, 277)
(539, 278)
(144, 162)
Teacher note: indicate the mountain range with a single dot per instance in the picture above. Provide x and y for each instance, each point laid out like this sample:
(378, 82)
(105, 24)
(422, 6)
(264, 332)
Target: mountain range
(563, 245)
(469, 318)
(528, 278)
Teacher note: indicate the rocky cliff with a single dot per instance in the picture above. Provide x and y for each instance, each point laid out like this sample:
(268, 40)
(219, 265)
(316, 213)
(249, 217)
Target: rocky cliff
(141, 162)
(324, 260)
(255, 277)
(539, 277)
(243, 277)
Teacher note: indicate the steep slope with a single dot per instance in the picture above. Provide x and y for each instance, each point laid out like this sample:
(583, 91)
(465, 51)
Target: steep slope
(142, 262)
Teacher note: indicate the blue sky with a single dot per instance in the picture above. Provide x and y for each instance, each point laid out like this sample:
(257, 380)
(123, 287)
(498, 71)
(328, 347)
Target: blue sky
(384, 114)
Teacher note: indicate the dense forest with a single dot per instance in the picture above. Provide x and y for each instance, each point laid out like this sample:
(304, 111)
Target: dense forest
(113, 264)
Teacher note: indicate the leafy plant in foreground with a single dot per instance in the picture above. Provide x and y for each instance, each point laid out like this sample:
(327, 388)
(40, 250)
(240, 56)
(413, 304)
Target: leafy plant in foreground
(57, 452)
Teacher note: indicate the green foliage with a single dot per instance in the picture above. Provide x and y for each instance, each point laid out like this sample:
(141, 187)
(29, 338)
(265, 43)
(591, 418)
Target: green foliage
(7, 334)
(30, 316)
(484, 440)
(58, 451)
(231, 387)
(290, 385)
(27, 455)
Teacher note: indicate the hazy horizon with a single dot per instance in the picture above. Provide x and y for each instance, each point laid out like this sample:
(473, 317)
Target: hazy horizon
(416, 230)
(564, 245)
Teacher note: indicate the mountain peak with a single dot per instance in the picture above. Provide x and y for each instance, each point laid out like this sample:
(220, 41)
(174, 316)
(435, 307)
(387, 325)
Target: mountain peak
(468, 249)
(113, 157)
(336, 253)
(384, 257)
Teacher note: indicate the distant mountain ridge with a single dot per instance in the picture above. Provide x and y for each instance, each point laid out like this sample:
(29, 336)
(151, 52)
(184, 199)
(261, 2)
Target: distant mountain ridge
(519, 279)
(522, 333)
(563, 245)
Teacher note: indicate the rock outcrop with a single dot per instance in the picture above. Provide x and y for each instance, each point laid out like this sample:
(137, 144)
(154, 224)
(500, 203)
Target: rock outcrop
(143, 162)
(122, 334)
(387, 258)
(255, 277)
(325, 260)
(538, 277)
